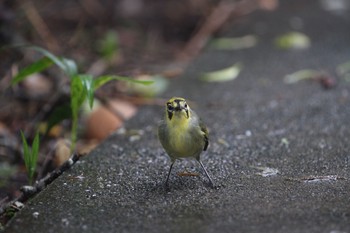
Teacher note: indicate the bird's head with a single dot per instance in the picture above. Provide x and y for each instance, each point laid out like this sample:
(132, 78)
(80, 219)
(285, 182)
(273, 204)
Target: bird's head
(177, 108)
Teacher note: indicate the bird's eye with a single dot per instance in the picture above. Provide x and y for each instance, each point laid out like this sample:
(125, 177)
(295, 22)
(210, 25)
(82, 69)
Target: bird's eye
(170, 108)
(185, 105)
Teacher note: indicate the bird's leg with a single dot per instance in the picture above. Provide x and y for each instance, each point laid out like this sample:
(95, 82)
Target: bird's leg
(211, 181)
(171, 167)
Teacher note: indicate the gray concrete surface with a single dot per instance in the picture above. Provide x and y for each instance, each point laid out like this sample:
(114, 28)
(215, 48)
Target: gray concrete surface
(256, 121)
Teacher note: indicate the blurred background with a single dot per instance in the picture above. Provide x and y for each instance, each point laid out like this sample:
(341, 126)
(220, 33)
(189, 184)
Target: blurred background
(139, 39)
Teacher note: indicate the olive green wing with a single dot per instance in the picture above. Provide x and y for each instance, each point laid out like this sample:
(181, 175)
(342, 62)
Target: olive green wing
(205, 134)
(163, 134)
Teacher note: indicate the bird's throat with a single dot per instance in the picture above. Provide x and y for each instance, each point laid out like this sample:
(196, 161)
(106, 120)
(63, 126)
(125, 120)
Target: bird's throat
(179, 120)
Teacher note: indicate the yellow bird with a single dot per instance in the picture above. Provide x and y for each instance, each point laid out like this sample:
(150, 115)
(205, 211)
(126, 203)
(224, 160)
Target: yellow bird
(182, 133)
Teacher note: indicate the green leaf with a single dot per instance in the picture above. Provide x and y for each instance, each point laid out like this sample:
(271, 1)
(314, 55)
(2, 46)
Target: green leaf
(235, 43)
(26, 151)
(223, 75)
(67, 65)
(35, 67)
(30, 155)
(35, 153)
(293, 40)
(301, 75)
(100, 81)
(78, 95)
(88, 84)
(108, 46)
(159, 85)
(48, 54)
(70, 67)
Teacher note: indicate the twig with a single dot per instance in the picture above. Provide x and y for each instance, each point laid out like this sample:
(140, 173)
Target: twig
(30, 191)
(93, 8)
(40, 26)
(221, 14)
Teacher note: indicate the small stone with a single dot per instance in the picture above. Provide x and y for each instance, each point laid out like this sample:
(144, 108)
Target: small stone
(36, 214)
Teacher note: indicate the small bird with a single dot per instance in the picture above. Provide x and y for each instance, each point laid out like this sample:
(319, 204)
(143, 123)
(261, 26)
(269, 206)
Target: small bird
(182, 133)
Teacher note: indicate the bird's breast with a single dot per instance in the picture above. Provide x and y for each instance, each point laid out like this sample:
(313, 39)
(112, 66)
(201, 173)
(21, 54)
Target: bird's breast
(185, 143)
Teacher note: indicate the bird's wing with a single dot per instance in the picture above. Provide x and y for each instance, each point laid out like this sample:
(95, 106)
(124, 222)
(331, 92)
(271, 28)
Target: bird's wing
(205, 134)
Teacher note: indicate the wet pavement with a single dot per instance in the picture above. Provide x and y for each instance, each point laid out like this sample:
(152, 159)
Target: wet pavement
(279, 153)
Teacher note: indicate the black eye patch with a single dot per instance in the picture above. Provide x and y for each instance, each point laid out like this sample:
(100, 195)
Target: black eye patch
(170, 107)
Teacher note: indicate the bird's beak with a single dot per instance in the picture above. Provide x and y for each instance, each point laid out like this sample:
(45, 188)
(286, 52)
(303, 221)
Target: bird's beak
(180, 108)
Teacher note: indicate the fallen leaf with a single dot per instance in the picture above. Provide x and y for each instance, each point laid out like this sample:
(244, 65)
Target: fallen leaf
(324, 79)
(267, 171)
(62, 152)
(158, 86)
(343, 70)
(122, 108)
(223, 75)
(54, 131)
(37, 85)
(293, 40)
(235, 43)
(223, 142)
(85, 146)
(101, 123)
(322, 178)
(301, 75)
(285, 142)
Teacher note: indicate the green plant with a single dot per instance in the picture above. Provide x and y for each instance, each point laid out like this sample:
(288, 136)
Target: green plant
(108, 46)
(30, 155)
(82, 86)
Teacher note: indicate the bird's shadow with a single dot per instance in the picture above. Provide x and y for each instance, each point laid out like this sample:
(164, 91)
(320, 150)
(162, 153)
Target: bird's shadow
(181, 184)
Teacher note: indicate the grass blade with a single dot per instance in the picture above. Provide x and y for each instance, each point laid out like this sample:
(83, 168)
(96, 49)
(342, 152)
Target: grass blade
(78, 95)
(100, 81)
(67, 65)
(26, 152)
(88, 85)
(70, 67)
(46, 53)
(35, 67)
(34, 154)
